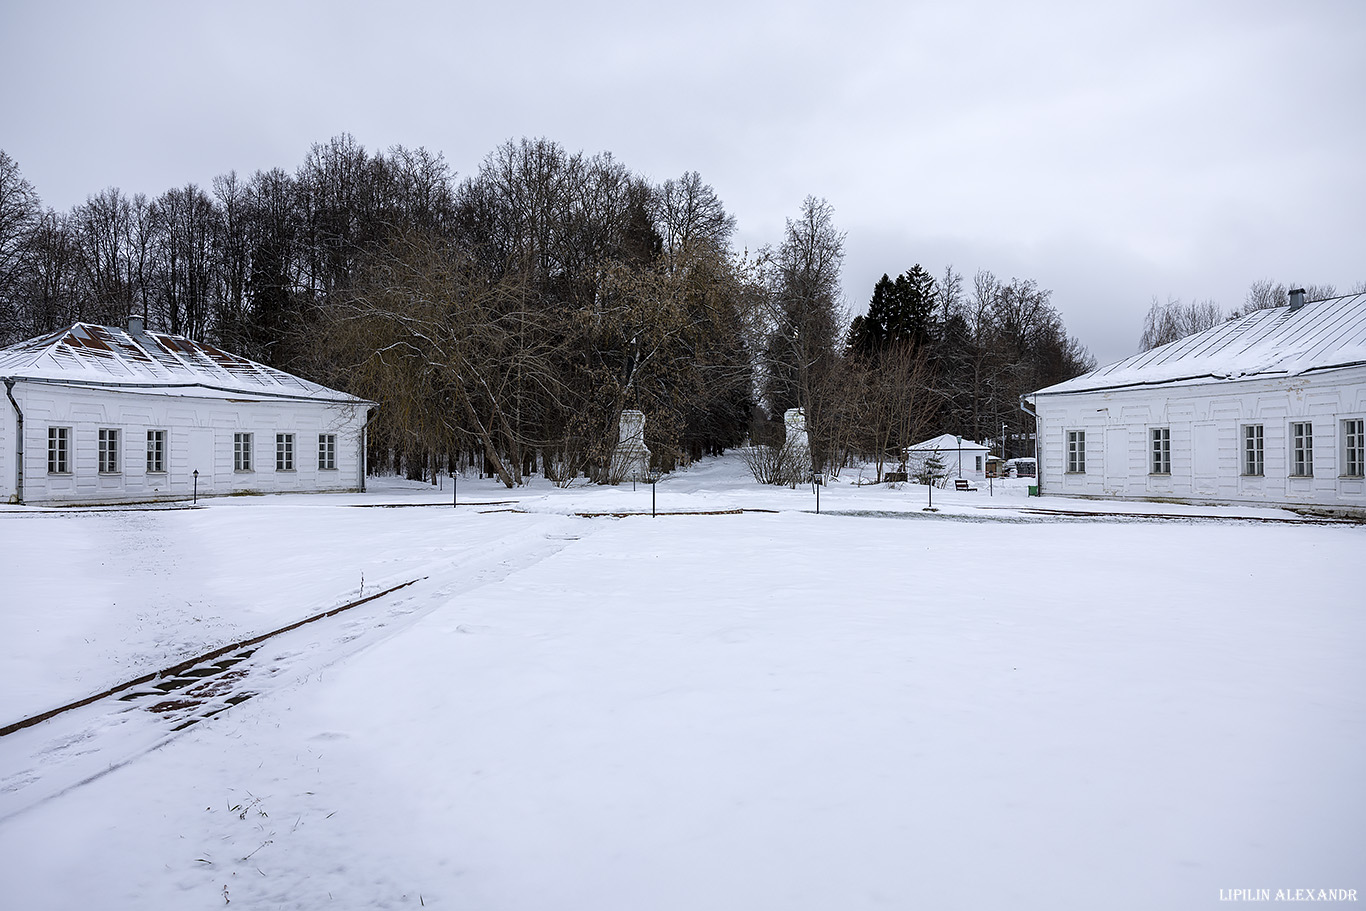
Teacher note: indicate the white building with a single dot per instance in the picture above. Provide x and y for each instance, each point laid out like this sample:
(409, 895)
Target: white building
(99, 415)
(960, 457)
(1266, 409)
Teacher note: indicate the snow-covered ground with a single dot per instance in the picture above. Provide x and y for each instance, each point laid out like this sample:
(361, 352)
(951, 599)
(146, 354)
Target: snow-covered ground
(988, 706)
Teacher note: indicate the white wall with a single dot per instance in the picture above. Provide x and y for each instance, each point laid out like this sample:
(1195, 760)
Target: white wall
(199, 436)
(8, 420)
(1206, 423)
(950, 459)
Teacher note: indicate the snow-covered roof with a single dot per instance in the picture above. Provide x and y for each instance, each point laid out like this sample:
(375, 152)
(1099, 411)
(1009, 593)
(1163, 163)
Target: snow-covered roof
(1274, 342)
(946, 441)
(89, 355)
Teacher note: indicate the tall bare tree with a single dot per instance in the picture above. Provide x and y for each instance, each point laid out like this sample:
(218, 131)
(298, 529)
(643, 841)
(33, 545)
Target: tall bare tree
(804, 316)
(189, 231)
(1175, 320)
(103, 231)
(1265, 294)
(691, 217)
(20, 214)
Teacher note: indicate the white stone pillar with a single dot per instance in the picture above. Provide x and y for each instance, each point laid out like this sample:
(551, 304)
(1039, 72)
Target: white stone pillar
(631, 461)
(797, 443)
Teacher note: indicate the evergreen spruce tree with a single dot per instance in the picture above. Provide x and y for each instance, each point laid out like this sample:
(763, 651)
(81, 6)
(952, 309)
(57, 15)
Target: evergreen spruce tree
(931, 469)
(868, 334)
(900, 313)
(914, 308)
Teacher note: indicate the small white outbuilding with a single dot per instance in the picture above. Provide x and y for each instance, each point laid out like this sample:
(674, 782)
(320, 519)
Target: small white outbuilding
(94, 414)
(1267, 409)
(960, 457)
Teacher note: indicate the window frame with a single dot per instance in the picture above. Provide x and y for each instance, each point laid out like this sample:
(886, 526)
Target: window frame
(284, 452)
(1254, 450)
(1160, 450)
(156, 451)
(107, 453)
(1353, 447)
(59, 450)
(1301, 449)
(1076, 451)
(242, 451)
(327, 452)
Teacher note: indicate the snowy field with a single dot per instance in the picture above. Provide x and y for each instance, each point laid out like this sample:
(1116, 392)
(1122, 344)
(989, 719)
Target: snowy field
(991, 706)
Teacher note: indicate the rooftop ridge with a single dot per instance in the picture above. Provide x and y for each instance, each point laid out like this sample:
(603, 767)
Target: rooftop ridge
(105, 355)
(1326, 333)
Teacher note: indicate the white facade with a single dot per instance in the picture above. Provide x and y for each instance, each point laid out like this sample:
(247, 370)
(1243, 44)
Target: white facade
(1279, 423)
(97, 430)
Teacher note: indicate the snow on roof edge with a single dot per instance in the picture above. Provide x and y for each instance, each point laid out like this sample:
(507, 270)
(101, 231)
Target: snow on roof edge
(340, 398)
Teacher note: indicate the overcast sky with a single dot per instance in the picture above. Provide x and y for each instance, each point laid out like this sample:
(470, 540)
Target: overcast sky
(1111, 154)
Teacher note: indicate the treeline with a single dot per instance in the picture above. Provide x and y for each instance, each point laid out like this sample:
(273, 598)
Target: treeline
(508, 318)
(238, 264)
(973, 351)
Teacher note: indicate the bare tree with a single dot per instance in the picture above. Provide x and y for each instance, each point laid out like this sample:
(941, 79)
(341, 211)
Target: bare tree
(691, 215)
(421, 194)
(425, 333)
(1175, 320)
(187, 261)
(20, 213)
(103, 232)
(803, 319)
(233, 262)
(52, 287)
(1265, 294)
(894, 404)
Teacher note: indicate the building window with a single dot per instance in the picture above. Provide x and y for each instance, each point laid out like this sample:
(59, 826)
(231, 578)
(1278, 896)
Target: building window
(284, 452)
(1252, 450)
(109, 450)
(1162, 450)
(979, 463)
(59, 450)
(1354, 448)
(1302, 449)
(327, 452)
(241, 452)
(156, 451)
(1076, 452)
(1302, 438)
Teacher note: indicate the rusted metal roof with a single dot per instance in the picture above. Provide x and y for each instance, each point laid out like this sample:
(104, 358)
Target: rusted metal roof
(1275, 342)
(87, 354)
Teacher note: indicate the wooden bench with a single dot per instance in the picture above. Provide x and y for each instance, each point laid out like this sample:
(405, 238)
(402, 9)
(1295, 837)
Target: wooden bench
(962, 484)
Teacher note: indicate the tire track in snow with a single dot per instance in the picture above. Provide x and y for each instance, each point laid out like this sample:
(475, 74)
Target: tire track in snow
(84, 742)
